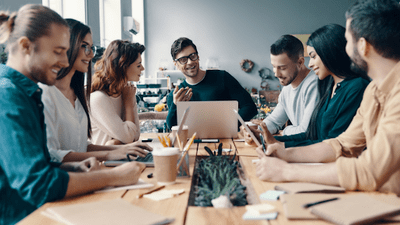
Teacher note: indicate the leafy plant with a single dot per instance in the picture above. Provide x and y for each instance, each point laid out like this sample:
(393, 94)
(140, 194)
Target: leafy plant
(3, 55)
(218, 176)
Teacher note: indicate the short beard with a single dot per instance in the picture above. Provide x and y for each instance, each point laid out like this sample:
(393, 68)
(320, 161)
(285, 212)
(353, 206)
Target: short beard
(358, 65)
(293, 77)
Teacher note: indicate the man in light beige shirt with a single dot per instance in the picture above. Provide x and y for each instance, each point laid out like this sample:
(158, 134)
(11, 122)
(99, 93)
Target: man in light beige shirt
(367, 155)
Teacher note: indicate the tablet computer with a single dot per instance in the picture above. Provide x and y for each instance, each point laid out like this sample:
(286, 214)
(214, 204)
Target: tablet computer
(247, 128)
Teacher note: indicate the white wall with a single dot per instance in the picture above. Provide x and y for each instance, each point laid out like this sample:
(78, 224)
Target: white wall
(232, 30)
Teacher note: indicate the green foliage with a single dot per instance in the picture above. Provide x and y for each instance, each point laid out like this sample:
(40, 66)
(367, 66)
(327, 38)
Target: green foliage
(218, 176)
(3, 55)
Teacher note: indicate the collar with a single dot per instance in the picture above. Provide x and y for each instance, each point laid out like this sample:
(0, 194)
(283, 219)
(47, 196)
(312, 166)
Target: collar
(20, 80)
(205, 74)
(391, 80)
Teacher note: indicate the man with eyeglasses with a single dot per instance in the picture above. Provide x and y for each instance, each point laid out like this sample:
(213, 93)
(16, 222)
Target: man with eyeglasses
(201, 85)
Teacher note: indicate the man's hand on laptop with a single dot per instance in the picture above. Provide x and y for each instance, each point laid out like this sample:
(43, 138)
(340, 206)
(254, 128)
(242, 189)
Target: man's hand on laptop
(182, 94)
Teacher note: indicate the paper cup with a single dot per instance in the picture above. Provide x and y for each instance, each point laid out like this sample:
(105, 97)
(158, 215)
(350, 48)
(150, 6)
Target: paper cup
(165, 162)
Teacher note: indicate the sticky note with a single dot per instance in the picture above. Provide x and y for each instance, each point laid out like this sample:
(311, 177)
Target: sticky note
(271, 195)
(259, 209)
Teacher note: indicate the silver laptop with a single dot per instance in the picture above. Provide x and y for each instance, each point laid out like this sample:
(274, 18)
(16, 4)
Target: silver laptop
(210, 119)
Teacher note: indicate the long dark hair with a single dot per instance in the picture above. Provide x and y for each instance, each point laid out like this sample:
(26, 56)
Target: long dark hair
(330, 45)
(78, 32)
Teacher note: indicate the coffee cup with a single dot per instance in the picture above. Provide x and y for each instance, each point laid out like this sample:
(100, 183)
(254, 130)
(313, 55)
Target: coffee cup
(183, 135)
(165, 162)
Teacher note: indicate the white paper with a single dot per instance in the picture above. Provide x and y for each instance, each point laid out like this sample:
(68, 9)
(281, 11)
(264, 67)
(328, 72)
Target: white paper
(139, 185)
(267, 216)
(164, 194)
(271, 195)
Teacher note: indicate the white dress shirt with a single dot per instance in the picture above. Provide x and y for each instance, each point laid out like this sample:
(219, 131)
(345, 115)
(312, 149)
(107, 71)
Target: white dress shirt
(66, 126)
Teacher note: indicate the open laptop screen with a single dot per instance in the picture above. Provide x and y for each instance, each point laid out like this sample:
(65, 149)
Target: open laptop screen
(210, 119)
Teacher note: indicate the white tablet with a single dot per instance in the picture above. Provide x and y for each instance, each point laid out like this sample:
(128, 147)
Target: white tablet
(247, 128)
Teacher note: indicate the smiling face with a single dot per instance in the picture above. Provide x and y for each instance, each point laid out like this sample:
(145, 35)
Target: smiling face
(81, 63)
(49, 55)
(317, 65)
(284, 68)
(358, 65)
(191, 68)
(135, 69)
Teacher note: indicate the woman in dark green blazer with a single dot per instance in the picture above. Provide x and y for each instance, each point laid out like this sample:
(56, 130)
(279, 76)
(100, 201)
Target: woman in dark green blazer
(341, 90)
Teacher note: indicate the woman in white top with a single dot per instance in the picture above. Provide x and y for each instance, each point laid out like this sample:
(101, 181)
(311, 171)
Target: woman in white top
(114, 112)
(66, 111)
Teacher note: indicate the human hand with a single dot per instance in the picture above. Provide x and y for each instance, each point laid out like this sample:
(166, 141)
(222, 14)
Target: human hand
(271, 144)
(87, 165)
(127, 173)
(247, 136)
(270, 168)
(182, 94)
(128, 92)
(136, 148)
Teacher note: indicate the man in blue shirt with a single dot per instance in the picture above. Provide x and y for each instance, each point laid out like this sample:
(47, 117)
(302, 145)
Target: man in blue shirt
(37, 41)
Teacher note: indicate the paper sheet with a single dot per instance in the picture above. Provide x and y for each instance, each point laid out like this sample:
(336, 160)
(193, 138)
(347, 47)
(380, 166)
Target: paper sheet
(271, 195)
(164, 194)
(267, 216)
(139, 185)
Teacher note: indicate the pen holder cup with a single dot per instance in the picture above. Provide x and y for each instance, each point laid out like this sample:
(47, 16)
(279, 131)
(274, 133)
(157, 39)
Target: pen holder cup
(183, 170)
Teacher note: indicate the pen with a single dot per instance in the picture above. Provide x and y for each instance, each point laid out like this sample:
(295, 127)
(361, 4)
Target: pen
(151, 191)
(262, 141)
(319, 202)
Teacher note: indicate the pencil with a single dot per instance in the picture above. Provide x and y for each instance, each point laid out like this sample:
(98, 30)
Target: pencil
(162, 141)
(190, 142)
(151, 191)
(168, 141)
(182, 159)
(179, 142)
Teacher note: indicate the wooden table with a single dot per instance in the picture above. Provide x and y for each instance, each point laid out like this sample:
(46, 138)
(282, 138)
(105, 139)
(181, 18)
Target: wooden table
(177, 207)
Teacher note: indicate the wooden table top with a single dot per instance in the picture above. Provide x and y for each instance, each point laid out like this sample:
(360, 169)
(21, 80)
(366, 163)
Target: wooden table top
(177, 207)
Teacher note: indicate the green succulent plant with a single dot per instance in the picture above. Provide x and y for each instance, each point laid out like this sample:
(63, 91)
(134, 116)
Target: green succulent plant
(217, 175)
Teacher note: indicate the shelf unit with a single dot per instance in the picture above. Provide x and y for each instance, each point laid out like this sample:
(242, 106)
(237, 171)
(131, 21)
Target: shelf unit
(150, 90)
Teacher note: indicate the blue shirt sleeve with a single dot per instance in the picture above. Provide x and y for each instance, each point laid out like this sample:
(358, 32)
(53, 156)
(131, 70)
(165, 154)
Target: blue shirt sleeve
(25, 168)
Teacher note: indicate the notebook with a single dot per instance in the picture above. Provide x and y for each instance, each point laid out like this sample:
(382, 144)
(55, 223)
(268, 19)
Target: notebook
(298, 187)
(210, 119)
(355, 209)
(293, 204)
(116, 211)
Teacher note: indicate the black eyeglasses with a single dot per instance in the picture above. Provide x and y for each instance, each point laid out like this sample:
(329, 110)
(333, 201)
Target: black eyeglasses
(89, 49)
(183, 60)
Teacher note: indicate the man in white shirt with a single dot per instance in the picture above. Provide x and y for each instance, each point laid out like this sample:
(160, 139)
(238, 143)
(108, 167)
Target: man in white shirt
(300, 92)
